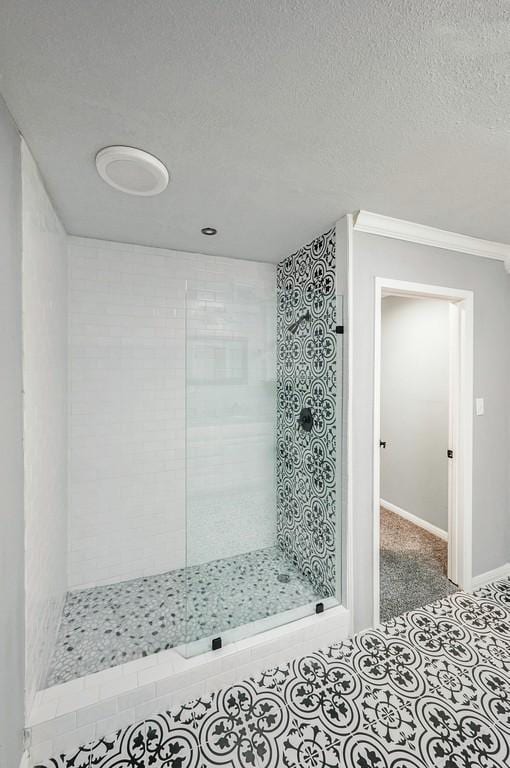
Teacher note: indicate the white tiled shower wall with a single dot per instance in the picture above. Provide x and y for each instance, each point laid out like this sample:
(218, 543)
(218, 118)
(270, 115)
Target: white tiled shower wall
(45, 420)
(127, 405)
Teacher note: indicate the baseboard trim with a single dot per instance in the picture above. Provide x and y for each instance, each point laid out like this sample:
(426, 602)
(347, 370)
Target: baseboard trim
(502, 572)
(416, 520)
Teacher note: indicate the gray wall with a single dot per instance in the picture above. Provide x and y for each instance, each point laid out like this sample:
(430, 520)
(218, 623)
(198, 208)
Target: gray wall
(385, 257)
(11, 450)
(414, 406)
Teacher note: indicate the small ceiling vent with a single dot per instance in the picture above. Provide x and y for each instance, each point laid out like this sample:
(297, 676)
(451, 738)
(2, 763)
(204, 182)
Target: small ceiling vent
(132, 171)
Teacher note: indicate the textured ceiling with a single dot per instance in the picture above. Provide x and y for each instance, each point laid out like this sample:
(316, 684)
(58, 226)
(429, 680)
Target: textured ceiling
(274, 117)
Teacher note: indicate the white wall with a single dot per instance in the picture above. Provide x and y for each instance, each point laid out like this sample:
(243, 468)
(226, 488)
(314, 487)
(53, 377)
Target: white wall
(12, 559)
(379, 256)
(127, 406)
(414, 406)
(45, 420)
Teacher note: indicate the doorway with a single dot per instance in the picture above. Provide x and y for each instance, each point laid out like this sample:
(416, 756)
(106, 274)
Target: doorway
(423, 384)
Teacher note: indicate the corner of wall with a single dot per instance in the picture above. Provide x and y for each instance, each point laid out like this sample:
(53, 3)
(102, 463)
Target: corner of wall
(44, 300)
(12, 556)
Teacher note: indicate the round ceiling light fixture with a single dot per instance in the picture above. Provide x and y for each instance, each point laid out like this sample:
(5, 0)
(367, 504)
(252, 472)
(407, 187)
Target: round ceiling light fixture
(132, 170)
(209, 231)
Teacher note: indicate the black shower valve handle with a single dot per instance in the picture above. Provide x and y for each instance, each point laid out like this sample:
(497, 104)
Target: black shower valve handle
(305, 420)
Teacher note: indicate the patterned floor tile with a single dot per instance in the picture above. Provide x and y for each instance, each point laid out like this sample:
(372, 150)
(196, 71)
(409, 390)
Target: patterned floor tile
(429, 689)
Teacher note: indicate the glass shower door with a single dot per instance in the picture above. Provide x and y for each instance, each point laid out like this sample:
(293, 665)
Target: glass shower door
(259, 511)
(230, 471)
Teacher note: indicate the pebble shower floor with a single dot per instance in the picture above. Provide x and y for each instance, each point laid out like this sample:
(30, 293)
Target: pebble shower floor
(112, 624)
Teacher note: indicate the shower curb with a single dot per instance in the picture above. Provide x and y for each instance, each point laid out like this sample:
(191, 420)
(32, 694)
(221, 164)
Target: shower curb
(72, 714)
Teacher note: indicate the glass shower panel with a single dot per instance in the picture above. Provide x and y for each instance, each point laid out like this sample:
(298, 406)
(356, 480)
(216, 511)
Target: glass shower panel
(257, 473)
(230, 470)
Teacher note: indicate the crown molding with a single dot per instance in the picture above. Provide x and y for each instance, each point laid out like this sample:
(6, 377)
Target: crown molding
(386, 226)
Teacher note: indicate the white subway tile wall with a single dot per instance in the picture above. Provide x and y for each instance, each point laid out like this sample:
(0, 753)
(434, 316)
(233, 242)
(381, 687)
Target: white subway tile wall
(45, 421)
(127, 404)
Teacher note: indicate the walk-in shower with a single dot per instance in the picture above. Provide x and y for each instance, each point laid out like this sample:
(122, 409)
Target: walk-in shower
(204, 489)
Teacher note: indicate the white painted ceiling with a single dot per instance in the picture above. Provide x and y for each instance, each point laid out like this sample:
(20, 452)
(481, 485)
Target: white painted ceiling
(274, 117)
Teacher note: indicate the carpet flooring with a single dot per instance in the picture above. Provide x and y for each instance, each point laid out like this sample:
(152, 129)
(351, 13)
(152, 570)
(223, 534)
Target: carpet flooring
(413, 566)
(430, 689)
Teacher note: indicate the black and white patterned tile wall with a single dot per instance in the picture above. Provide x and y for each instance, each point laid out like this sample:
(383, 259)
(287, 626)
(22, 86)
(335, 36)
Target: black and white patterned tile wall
(307, 378)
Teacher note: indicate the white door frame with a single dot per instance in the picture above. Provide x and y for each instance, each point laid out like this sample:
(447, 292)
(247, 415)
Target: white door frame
(460, 468)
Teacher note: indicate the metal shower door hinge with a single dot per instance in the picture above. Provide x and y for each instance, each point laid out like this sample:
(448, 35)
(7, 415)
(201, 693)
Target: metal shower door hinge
(449, 453)
(339, 329)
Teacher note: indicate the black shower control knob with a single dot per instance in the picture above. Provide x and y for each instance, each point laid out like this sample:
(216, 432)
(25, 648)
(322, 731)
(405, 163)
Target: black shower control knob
(305, 420)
